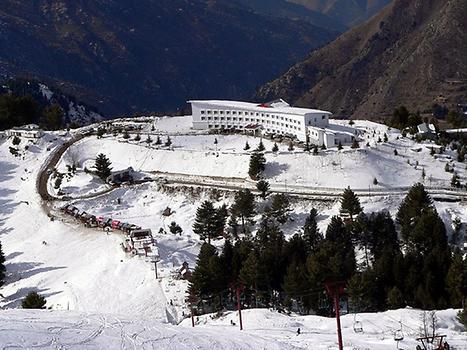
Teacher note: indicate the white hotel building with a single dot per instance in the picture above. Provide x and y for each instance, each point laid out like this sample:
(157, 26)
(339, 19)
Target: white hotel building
(276, 117)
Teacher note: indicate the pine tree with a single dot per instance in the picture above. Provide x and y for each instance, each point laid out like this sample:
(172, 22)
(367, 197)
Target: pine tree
(33, 301)
(100, 132)
(291, 146)
(58, 182)
(311, 234)
(260, 147)
(432, 151)
(175, 229)
(307, 147)
(280, 207)
(202, 281)
(148, 140)
(244, 206)
(275, 148)
(395, 299)
(247, 146)
(158, 140)
(456, 280)
(16, 140)
(339, 146)
(2, 266)
(168, 142)
(221, 218)
(395, 152)
(52, 117)
(323, 147)
(296, 280)
(263, 187)
(375, 181)
(385, 137)
(315, 150)
(206, 223)
(257, 165)
(126, 136)
(350, 203)
(102, 165)
(462, 317)
(215, 141)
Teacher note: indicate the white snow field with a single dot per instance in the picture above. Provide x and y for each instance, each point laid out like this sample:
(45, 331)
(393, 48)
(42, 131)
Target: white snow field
(263, 329)
(88, 280)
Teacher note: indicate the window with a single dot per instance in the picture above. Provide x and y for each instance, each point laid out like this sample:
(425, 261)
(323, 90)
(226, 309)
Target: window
(202, 118)
(246, 113)
(324, 117)
(221, 118)
(209, 112)
(214, 112)
(234, 112)
(234, 118)
(228, 118)
(240, 112)
(227, 112)
(221, 112)
(247, 119)
(209, 118)
(257, 113)
(240, 119)
(202, 112)
(209, 126)
(215, 118)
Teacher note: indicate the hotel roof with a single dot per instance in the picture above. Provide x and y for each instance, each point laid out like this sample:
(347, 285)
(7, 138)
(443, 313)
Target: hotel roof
(278, 106)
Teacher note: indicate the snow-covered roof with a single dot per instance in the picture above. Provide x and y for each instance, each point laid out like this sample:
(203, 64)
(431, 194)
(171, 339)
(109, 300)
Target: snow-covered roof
(426, 128)
(27, 127)
(455, 131)
(277, 106)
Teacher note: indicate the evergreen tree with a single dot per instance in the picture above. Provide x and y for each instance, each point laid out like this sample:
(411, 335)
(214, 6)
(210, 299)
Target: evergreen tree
(355, 144)
(280, 207)
(291, 146)
(263, 187)
(414, 204)
(52, 117)
(247, 146)
(126, 136)
(339, 146)
(149, 139)
(215, 141)
(385, 137)
(244, 206)
(100, 132)
(221, 219)
(16, 141)
(323, 146)
(275, 148)
(350, 203)
(307, 147)
(257, 165)
(2, 266)
(249, 272)
(175, 229)
(58, 182)
(311, 234)
(33, 301)
(158, 140)
(456, 281)
(462, 317)
(168, 142)
(202, 280)
(296, 281)
(395, 298)
(206, 223)
(260, 147)
(315, 150)
(395, 152)
(102, 165)
(375, 181)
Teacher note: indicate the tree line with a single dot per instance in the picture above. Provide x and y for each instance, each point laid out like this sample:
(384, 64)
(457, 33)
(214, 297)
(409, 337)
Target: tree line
(401, 261)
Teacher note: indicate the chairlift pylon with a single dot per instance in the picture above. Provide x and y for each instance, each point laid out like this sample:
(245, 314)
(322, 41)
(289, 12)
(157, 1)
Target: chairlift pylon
(399, 335)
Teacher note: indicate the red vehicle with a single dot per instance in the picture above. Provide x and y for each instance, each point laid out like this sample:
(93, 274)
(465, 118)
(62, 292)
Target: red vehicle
(115, 224)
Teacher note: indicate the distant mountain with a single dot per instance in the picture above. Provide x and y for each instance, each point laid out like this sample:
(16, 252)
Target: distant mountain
(139, 56)
(74, 111)
(413, 53)
(347, 12)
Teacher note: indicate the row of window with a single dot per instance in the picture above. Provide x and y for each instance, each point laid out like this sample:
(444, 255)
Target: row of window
(257, 114)
(253, 120)
(271, 130)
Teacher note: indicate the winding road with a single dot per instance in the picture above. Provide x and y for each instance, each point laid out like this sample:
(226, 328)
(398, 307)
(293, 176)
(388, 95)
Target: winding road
(235, 184)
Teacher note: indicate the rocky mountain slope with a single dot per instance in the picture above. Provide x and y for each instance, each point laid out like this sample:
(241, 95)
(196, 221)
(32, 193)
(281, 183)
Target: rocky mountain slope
(413, 53)
(347, 12)
(127, 57)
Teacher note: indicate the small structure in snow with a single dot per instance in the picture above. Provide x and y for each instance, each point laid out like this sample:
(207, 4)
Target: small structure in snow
(426, 129)
(117, 177)
(30, 131)
(167, 212)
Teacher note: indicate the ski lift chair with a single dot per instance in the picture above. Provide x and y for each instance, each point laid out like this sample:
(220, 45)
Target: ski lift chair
(357, 325)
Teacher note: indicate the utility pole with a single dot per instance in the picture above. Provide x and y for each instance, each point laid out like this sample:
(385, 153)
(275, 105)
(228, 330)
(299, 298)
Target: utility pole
(335, 290)
(155, 266)
(238, 287)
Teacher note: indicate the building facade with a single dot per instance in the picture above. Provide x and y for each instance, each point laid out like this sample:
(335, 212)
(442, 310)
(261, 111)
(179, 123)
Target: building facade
(276, 117)
(31, 131)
